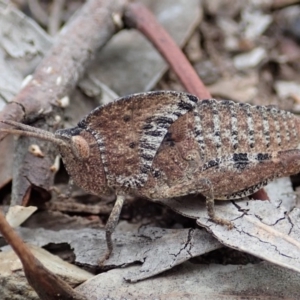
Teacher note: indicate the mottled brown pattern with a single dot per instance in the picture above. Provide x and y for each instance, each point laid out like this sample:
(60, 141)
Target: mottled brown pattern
(121, 125)
(227, 176)
(225, 116)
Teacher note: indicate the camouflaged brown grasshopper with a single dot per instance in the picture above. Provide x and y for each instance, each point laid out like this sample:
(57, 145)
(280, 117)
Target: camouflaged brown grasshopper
(167, 144)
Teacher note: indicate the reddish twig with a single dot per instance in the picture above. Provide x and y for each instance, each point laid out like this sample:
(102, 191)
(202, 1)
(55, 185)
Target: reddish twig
(139, 17)
(46, 284)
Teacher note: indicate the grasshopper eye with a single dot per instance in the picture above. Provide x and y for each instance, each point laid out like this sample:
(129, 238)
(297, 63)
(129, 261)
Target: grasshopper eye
(80, 147)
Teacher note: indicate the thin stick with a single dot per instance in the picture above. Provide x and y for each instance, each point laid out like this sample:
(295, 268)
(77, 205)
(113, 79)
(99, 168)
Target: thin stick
(54, 20)
(139, 17)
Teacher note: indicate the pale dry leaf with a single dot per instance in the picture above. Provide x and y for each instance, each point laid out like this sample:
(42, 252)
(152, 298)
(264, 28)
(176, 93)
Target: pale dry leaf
(260, 228)
(281, 193)
(22, 44)
(93, 87)
(239, 88)
(137, 66)
(250, 59)
(193, 282)
(25, 37)
(169, 251)
(18, 214)
(255, 23)
(286, 89)
(157, 249)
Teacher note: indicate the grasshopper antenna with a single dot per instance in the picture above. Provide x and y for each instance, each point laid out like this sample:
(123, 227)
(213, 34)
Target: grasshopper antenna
(26, 130)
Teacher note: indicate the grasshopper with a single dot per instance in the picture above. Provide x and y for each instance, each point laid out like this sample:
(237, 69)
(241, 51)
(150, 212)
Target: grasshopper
(169, 144)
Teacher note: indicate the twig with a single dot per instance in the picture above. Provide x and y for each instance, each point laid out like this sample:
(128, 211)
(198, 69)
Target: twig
(46, 284)
(279, 4)
(55, 16)
(60, 70)
(139, 17)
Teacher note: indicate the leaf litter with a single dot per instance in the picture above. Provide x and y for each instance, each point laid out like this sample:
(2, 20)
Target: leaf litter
(268, 230)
